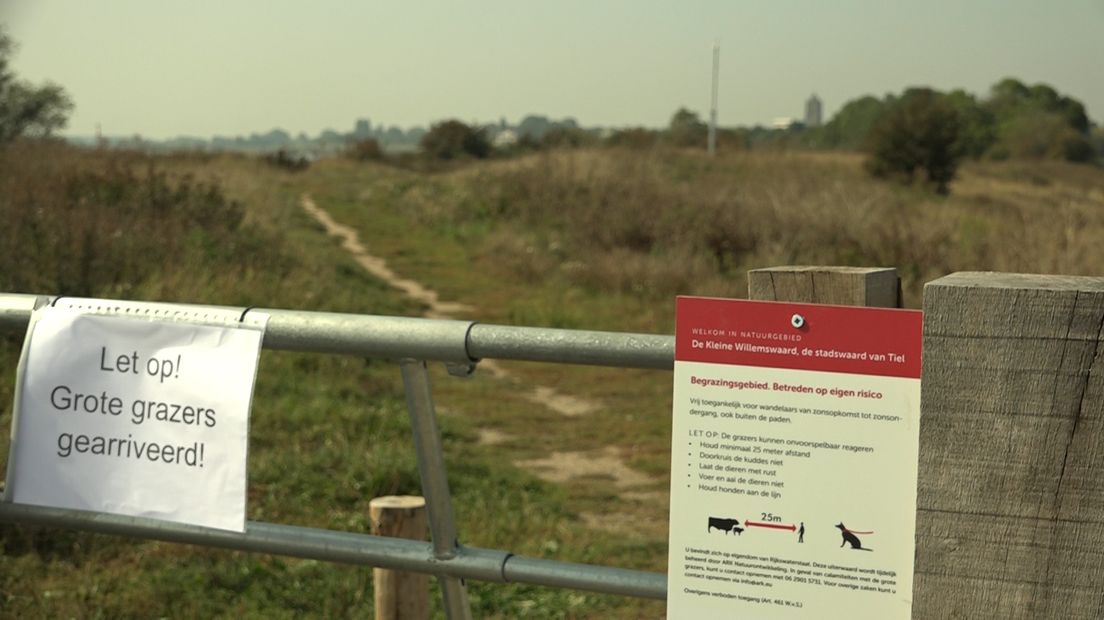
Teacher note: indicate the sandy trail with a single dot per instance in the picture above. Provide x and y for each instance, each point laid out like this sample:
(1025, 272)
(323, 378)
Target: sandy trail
(558, 467)
(377, 266)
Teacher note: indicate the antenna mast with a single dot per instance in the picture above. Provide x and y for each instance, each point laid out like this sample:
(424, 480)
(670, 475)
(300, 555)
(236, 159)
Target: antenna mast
(713, 109)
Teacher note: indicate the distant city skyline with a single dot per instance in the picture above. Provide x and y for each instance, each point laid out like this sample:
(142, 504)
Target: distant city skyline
(205, 68)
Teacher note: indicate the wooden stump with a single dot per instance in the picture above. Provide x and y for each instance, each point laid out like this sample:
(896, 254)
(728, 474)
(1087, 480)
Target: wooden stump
(399, 595)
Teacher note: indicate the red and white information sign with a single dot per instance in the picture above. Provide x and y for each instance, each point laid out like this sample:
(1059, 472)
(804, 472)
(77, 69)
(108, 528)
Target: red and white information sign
(793, 460)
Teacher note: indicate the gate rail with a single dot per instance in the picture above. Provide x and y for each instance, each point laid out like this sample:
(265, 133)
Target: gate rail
(413, 342)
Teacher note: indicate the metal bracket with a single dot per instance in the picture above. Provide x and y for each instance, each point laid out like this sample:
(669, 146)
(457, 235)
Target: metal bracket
(461, 370)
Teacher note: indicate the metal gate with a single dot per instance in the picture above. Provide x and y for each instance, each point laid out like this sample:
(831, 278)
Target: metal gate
(414, 342)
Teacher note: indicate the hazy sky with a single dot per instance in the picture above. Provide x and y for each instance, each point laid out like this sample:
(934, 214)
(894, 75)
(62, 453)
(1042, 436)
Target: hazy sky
(162, 68)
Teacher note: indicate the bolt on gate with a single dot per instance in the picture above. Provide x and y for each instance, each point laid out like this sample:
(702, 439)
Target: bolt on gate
(413, 342)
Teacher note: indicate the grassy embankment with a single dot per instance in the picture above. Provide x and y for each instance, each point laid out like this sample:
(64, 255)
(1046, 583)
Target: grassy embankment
(593, 239)
(328, 433)
(605, 239)
(646, 226)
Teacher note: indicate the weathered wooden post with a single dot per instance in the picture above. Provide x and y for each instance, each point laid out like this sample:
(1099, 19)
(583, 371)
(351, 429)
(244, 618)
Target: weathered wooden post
(399, 595)
(844, 286)
(1010, 519)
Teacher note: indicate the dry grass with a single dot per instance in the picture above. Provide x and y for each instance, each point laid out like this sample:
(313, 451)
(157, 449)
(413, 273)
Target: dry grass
(114, 225)
(327, 433)
(593, 239)
(666, 222)
(603, 239)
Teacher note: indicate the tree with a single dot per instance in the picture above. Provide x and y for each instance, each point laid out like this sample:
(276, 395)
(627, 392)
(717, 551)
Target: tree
(1011, 100)
(536, 126)
(567, 137)
(850, 127)
(976, 126)
(1096, 140)
(1038, 122)
(364, 149)
(686, 129)
(1037, 134)
(919, 133)
(453, 139)
(26, 110)
(635, 138)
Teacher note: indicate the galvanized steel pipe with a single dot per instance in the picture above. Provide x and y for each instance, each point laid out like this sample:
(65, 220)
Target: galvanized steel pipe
(449, 341)
(438, 340)
(435, 487)
(605, 579)
(489, 565)
(260, 537)
(569, 346)
(15, 310)
(389, 337)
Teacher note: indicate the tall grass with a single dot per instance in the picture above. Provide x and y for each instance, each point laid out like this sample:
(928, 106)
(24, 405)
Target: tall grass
(663, 222)
(83, 224)
(596, 239)
(327, 433)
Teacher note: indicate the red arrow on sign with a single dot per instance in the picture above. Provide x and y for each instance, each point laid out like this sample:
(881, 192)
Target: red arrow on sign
(773, 526)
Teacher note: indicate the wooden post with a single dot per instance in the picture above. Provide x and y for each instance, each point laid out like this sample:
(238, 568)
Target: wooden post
(844, 286)
(399, 595)
(1010, 520)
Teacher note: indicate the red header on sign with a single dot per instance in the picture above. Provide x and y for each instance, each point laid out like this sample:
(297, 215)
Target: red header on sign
(867, 341)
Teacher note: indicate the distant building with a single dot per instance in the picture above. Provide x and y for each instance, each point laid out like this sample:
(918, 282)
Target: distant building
(783, 122)
(504, 139)
(813, 112)
(362, 129)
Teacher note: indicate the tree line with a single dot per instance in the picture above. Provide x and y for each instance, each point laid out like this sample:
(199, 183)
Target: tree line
(918, 136)
(1014, 121)
(923, 134)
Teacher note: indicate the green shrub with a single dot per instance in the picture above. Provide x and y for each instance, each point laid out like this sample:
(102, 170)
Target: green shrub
(453, 139)
(686, 129)
(851, 126)
(916, 139)
(633, 138)
(566, 137)
(1035, 134)
(287, 160)
(366, 149)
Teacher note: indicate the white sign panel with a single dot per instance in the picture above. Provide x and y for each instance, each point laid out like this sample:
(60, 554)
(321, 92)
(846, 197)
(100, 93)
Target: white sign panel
(794, 461)
(136, 417)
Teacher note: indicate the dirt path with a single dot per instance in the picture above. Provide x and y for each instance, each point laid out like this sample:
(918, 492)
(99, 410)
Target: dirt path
(560, 467)
(564, 404)
(376, 266)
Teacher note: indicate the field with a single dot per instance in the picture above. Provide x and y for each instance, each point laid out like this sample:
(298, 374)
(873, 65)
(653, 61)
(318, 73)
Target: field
(549, 461)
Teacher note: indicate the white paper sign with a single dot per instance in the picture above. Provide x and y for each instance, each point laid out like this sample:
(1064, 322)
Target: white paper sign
(794, 461)
(136, 417)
